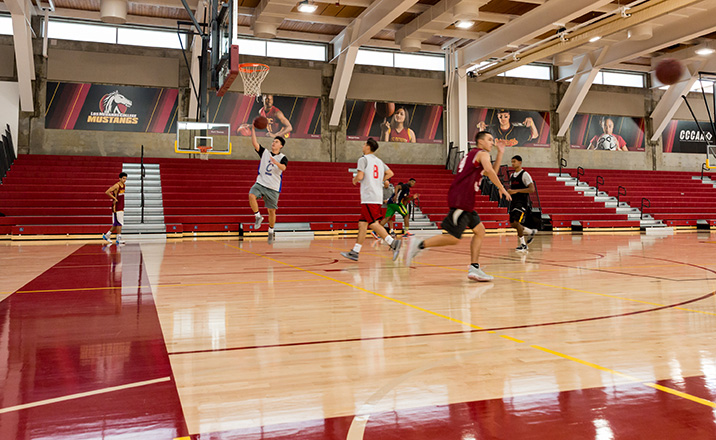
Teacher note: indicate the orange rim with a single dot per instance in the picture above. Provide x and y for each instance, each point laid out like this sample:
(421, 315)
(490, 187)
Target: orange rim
(253, 67)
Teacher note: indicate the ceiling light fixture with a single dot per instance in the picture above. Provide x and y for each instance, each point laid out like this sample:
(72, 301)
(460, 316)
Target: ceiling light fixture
(464, 24)
(595, 39)
(307, 6)
(705, 51)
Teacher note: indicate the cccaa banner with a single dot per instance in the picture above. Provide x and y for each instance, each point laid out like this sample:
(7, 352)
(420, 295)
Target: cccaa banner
(73, 106)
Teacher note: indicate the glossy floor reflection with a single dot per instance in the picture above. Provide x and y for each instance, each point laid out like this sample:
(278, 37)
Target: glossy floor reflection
(585, 337)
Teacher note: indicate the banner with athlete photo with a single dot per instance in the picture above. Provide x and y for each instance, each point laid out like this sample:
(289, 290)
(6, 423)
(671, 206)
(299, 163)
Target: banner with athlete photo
(288, 116)
(74, 106)
(607, 133)
(518, 128)
(686, 137)
(394, 122)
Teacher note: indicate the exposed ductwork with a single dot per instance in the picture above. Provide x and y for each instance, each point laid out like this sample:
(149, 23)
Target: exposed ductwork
(113, 11)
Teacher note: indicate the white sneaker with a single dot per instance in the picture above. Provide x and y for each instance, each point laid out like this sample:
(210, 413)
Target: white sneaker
(106, 238)
(477, 274)
(120, 242)
(413, 249)
(351, 255)
(531, 236)
(271, 237)
(259, 219)
(395, 246)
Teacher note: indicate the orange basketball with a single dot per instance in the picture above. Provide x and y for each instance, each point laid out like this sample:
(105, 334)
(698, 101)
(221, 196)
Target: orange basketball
(669, 71)
(384, 109)
(260, 122)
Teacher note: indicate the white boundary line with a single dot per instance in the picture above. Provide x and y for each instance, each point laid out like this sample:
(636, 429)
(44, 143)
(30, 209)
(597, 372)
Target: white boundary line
(80, 395)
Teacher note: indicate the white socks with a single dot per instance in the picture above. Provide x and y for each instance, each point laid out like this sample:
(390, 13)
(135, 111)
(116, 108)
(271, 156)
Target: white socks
(389, 240)
(356, 248)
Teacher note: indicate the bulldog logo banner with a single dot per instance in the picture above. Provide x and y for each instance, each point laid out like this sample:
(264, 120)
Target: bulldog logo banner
(72, 106)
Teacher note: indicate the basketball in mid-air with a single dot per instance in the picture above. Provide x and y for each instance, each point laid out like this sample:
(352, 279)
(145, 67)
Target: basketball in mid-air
(384, 109)
(669, 71)
(260, 122)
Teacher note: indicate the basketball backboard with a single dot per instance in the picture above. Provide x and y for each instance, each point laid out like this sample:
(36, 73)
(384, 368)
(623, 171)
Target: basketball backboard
(192, 135)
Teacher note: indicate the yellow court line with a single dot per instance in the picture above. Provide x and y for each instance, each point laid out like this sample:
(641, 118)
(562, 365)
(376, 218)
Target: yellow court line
(80, 395)
(357, 288)
(79, 289)
(507, 337)
(585, 268)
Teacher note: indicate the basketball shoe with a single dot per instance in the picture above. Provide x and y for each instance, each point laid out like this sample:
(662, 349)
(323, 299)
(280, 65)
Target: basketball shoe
(120, 242)
(522, 248)
(351, 255)
(476, 274)
(259, 219)
(395, 246)
(106, 238)
(531, 236)
(413, 249)
(271, 237)
(376, 236)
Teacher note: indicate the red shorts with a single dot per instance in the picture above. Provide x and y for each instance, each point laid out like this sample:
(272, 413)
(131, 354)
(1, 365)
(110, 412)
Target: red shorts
(370, 213)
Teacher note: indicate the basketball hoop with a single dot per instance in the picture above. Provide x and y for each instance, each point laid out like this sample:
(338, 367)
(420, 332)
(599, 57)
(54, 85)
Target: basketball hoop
(203, 152)
(253, 75)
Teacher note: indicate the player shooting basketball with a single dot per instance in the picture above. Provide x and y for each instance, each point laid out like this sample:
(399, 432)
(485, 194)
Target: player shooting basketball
(607, 140)
(514, 134)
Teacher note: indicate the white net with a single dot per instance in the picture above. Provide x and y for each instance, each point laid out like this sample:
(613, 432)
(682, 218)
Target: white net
(253, 75)
(204, 152)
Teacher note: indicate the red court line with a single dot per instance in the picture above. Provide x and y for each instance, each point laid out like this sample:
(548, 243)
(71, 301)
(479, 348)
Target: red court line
(420, 335)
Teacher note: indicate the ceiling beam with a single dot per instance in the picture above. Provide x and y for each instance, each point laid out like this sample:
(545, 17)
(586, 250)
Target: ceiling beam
(578, 89)
(372, 20)
(527, 26)
(437, 17)
(642, 13)
(21, 12)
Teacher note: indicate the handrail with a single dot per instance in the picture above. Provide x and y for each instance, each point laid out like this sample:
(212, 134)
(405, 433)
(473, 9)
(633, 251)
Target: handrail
(580, 172)
(703, 168)
(644, 199)
(620, 193)
(600, 181)
(562, 163)
(450, 150)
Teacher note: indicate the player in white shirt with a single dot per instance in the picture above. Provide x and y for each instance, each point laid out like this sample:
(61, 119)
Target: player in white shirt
(268, 182)
(372, 174)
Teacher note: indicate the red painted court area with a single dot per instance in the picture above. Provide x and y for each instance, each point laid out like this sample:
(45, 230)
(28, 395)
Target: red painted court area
(92, 349)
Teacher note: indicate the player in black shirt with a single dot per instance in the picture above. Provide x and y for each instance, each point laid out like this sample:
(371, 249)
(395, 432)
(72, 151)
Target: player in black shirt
(521, 186)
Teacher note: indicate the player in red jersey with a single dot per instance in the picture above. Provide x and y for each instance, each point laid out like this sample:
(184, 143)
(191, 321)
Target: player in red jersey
(276, 119)
(461, 200)
(116, 192)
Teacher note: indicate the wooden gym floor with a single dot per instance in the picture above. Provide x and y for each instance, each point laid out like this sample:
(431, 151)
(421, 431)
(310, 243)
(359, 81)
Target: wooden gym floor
(595, 336)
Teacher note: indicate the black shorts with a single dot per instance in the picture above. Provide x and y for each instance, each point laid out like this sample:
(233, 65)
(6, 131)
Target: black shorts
(518, 212)
(458, 220)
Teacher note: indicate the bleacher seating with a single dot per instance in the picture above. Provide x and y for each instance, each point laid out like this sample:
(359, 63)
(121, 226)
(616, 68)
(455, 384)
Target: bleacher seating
(564, 205)
(46, 194)
(674, 197)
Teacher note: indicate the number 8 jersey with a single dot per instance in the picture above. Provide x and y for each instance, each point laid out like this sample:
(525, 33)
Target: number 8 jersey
(371, 187)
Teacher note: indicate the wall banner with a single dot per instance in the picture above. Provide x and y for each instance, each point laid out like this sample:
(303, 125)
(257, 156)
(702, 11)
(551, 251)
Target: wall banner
(289, 116)
(685, 137)
(394, 122)
(518, 128)
(608, 133)
(72, 106)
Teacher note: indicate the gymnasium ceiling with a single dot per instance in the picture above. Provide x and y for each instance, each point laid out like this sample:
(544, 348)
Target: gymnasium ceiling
(511, 32)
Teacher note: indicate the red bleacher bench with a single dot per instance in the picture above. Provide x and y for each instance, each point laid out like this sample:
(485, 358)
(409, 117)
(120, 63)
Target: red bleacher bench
(59, 229)
(681, 222)
(611, 224)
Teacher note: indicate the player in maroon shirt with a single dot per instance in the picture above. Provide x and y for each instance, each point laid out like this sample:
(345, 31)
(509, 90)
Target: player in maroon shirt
(461, 200)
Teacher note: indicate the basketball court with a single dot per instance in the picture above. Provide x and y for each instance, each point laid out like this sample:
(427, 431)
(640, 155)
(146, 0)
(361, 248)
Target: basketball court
(586, 336)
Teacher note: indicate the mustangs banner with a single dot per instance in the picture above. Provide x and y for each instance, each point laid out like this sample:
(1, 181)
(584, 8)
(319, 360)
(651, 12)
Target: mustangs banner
(687, 137)
(608, 133)
(72, 106)
(288, 116)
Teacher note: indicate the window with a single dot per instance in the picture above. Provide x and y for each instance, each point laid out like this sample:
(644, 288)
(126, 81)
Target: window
(374, 58)
(63, 30)
(296, 51)
(621, 79)
(251, 47)
(149, 38)
(5, 25)
(421, 62)
(398, 59)
(533, 71)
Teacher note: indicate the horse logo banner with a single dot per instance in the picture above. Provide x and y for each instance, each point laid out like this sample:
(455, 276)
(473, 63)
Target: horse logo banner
(72, 106)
